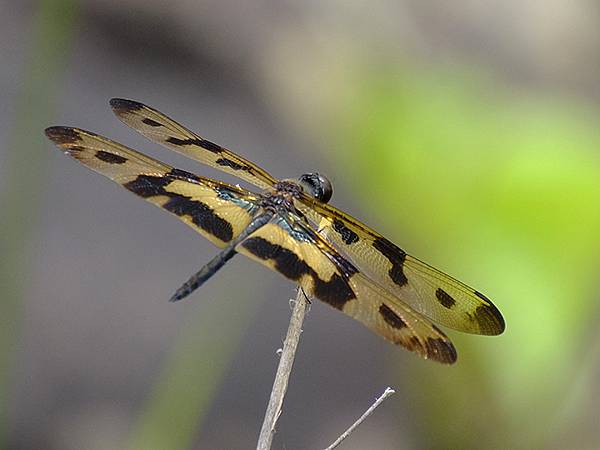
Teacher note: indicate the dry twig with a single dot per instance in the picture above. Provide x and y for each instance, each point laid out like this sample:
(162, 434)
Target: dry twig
(388, 391)
(284, 370)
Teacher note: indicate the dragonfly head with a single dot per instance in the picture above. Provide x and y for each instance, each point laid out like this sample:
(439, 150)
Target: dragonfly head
(316, 185)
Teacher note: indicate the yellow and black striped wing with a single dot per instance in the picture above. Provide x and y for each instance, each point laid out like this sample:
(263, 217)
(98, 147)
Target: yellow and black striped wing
(216, 210)
(292, 248)
(159, 128)
(434, 294)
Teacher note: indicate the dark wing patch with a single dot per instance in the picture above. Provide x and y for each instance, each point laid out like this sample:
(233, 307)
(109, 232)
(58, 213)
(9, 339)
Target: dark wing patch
(229, 163)
(200, 213)
(159, 128)
(407, 278)
(110, 158)
(395, 256)
(294, 249)
(346, 234)
(216, 210)
(444, 298)
(199, 142)
(300, 261)
(152, 123)
(391, 317)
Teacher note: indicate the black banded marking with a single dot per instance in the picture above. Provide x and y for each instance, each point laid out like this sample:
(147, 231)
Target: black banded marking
(444, 298)
(489, 319)
(63, 135)
(443, 350)
(413, 343)
(110, 158)
(121, 105)
(176, 141)
(336, 291)
(205, 144)
(396, 256)
(150, 122)
(229, 163)
(210, 146)
(347, 235)
(344, 265)
(391, 318)
(184, 175)
(488, 316)
(202, 215)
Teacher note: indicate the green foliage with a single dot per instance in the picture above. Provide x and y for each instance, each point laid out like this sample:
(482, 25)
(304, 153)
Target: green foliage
(502, 191)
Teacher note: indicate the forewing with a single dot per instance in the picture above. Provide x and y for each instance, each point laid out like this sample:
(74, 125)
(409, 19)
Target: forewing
(292, 248)
(159, 128)
(216, 210)
(434, 294)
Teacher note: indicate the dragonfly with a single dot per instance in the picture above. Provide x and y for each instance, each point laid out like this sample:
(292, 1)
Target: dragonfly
(289, 227)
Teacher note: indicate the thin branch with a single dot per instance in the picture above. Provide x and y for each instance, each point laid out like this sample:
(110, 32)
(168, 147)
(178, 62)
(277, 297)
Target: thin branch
(284, 370)
(388, 391)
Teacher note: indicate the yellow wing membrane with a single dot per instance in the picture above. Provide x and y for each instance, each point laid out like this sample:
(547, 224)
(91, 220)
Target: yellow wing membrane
(434, 294)
(216, 210)
(159, 128)
(292, 248)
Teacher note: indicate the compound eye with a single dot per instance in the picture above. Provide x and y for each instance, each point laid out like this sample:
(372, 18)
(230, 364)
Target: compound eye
(317, 185)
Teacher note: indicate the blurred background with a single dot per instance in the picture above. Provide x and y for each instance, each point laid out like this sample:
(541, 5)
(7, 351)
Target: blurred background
(465, 131)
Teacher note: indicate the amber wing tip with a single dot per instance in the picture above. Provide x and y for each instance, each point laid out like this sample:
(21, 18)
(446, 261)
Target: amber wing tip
(489, 317)
(62, 135)
(441, 351)
(501, 323)
(450, 356)
(492, 321)
(124, 106)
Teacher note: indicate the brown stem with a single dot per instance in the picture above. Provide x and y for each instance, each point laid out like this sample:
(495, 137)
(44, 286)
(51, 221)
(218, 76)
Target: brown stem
(284, 370)
(388, 391)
